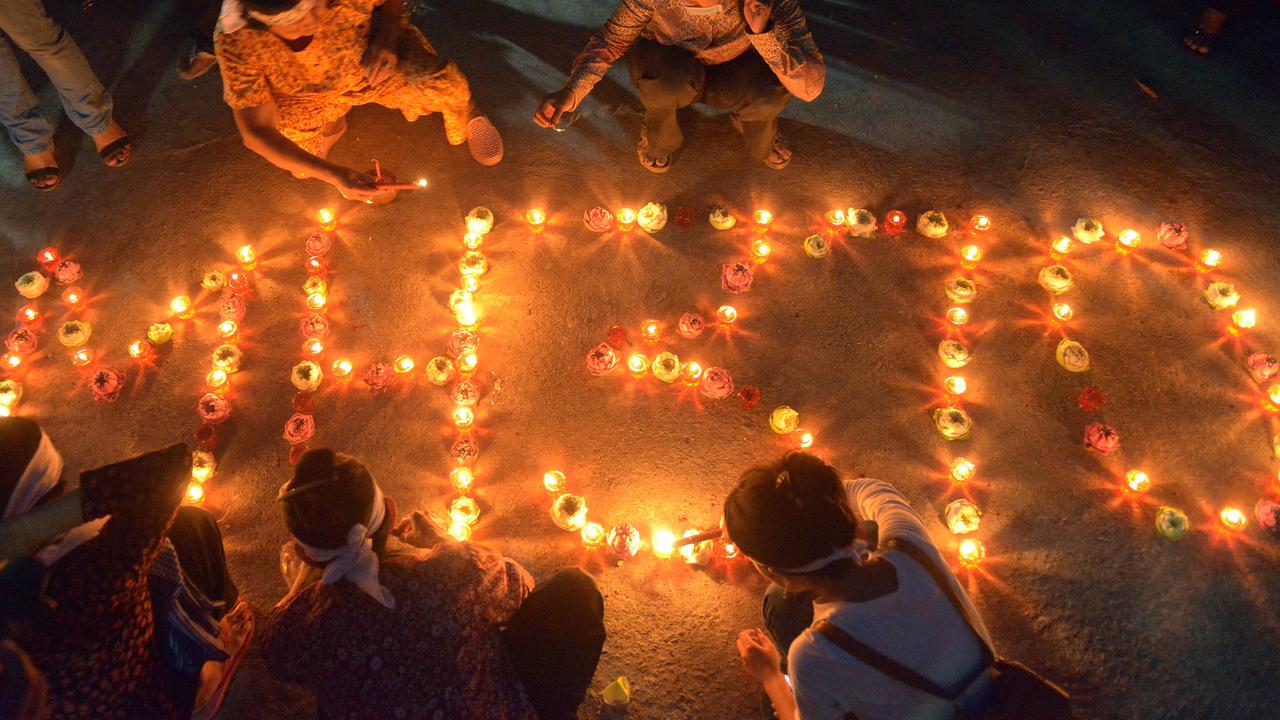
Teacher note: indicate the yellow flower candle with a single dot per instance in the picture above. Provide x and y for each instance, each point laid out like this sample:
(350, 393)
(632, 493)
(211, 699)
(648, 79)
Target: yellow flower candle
(203, 466)
(784, 420)
(464, 510)
(666, 367)
(479, 220)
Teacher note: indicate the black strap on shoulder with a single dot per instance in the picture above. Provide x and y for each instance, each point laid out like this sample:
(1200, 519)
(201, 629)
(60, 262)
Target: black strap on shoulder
(883, 663)
(922, 559)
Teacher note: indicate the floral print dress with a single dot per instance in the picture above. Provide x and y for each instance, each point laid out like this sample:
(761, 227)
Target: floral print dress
(322, 82)
(437, 655)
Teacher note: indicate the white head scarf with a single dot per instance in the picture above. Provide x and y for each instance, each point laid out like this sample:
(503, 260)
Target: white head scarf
(41, 476)
(232, 15)
(857, 552)
(356, 561)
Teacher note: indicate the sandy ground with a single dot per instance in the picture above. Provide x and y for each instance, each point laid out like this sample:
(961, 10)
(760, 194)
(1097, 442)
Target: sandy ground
(1027, 111)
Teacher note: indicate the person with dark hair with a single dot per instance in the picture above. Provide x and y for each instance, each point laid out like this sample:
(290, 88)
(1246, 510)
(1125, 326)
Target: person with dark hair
(745, 56)
(799, 523)
(86, 102)
(406, 623)
(132, 613)
(292, 69)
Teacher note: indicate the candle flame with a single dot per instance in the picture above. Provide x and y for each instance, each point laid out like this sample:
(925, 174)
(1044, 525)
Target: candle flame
(553, 481)
(462, 478)
(1137, 481)
(663, 542)
(963, 470)
(1233, 518)
(971, 552)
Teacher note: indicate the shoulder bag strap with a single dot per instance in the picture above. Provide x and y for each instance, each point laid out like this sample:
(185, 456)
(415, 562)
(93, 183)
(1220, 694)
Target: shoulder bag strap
(923, 560)
(882, 663)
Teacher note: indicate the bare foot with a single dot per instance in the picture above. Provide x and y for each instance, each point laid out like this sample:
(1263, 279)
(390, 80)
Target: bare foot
(121, 153)
(42, 170)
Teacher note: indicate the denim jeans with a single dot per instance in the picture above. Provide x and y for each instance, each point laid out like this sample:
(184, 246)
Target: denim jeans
(87, 103)
(785, 618)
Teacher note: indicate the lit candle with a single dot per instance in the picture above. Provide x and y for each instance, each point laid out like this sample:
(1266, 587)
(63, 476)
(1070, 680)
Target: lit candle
(460, 531)
(1274, 394)
(957, 316)
(969, 256)
(963, 470)
(537, 219)
(474, 241)
(980, 223)
(403, 364)
(1137, 481)
(238, 282)
(28, 314)
(470, 283)
(760, 249)
(82, 357)
(729, 550)
(554, 481)
(691, 372)
(12, 361)
(1062, 312)
(971, 552)
(1244, 319)
(1233, 518)
(48, 257)
(195, 493)
(593, 535)
(421, 183)
(895, 220)
(73, 297)
(626, 219)
(1060, 247)
(140, 350)
(1209, 260)
(762, 218)
(464, 510)
(216, 378)
(638, 365)
(327, 219)
(955, 385)
(836, 217)
(663, 543)
(962, 516)
(802, 438)
(651, 331)
(181, 306)
(462, 478)
(316, 265)
(479, 220)
(1127, 240)
(726, 315)
(247, 256)
(342, 368)
(203, 466)
(316, 301)
(463, 416)
(467, 363)
(464, 312)
(227, 329)
(312, 346)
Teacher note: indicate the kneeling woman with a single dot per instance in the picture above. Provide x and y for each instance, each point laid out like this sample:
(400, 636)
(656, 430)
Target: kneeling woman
(878, 612)
(418, 625)
(292, 69)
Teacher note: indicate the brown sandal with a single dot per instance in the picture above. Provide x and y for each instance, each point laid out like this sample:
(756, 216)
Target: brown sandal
(117, 153)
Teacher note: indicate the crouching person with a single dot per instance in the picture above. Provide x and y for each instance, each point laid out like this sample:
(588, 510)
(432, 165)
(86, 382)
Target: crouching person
(387, 621)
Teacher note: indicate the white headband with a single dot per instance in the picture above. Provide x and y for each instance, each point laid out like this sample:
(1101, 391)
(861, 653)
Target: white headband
(856, 552)
(233, 12)
(356, 561)
(41, 476)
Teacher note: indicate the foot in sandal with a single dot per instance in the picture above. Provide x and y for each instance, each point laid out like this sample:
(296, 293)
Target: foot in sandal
(42, 170)
(215, 677)
(113, 145)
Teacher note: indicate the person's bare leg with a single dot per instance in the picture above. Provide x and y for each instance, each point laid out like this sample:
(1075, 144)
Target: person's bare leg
(39, 161)
(113, 133)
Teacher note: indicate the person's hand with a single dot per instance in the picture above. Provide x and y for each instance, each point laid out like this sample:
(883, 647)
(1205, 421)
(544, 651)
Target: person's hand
(757, 13)
(418, 531)
(554, 106)
(761, 660)
(380, 58)
(354, 185)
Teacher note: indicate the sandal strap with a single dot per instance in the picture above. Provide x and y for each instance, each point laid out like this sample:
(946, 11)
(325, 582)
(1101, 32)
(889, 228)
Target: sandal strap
(111, 148)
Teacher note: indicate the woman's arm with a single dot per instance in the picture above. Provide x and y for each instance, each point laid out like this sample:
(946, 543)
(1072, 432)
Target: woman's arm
(778, 31)
(23, 535)
(257, 126)
(380, 57)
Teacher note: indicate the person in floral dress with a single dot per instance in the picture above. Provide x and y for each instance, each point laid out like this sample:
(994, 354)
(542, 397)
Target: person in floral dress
(405, 624)
(293, 69)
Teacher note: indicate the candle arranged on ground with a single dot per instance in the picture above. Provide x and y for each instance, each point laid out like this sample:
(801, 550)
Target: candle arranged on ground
(327, 219)
(626, 219)
(247, 256)
(762, 218)
(181, 306)
(1209, 261)
(638, 365)
(227, 329)
(955, 385)
(217, 378)
(957, 316)
(554, 481)
(342, 367)
(1233, 518)
(403, 364)
(760, 249)
(651, 331)
(593, 535)
(969, 256)
(537, 219)
(1060, 247)
(836, 217)
(462, 478)
(73, 297)
(663, 543)
(726, 315)
(980, 223)
(971, 552)
(1062, 312)
(1127, 240)
(463, 417)
(895, 220)
(140, 350)
(963, 470)
(312, 346)
(82, 357)
(1137, 481)
(1245, 319)
(479, 220)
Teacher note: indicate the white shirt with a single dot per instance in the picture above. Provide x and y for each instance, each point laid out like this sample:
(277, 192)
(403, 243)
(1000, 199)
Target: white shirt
(916, 626)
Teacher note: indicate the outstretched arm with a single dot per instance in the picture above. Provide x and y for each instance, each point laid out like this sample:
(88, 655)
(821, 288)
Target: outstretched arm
(257, 126)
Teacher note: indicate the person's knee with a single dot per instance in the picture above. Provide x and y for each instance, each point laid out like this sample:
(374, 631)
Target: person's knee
(196, 518)
(41, 39)
(775, 598)
(576, 583)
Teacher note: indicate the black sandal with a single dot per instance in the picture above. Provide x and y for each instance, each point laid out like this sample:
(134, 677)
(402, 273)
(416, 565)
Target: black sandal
(1200, 42)
(119, 149)
(46, 178)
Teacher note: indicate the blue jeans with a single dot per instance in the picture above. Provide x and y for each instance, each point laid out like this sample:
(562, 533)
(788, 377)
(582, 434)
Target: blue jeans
(785, 617)
(87, 103)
